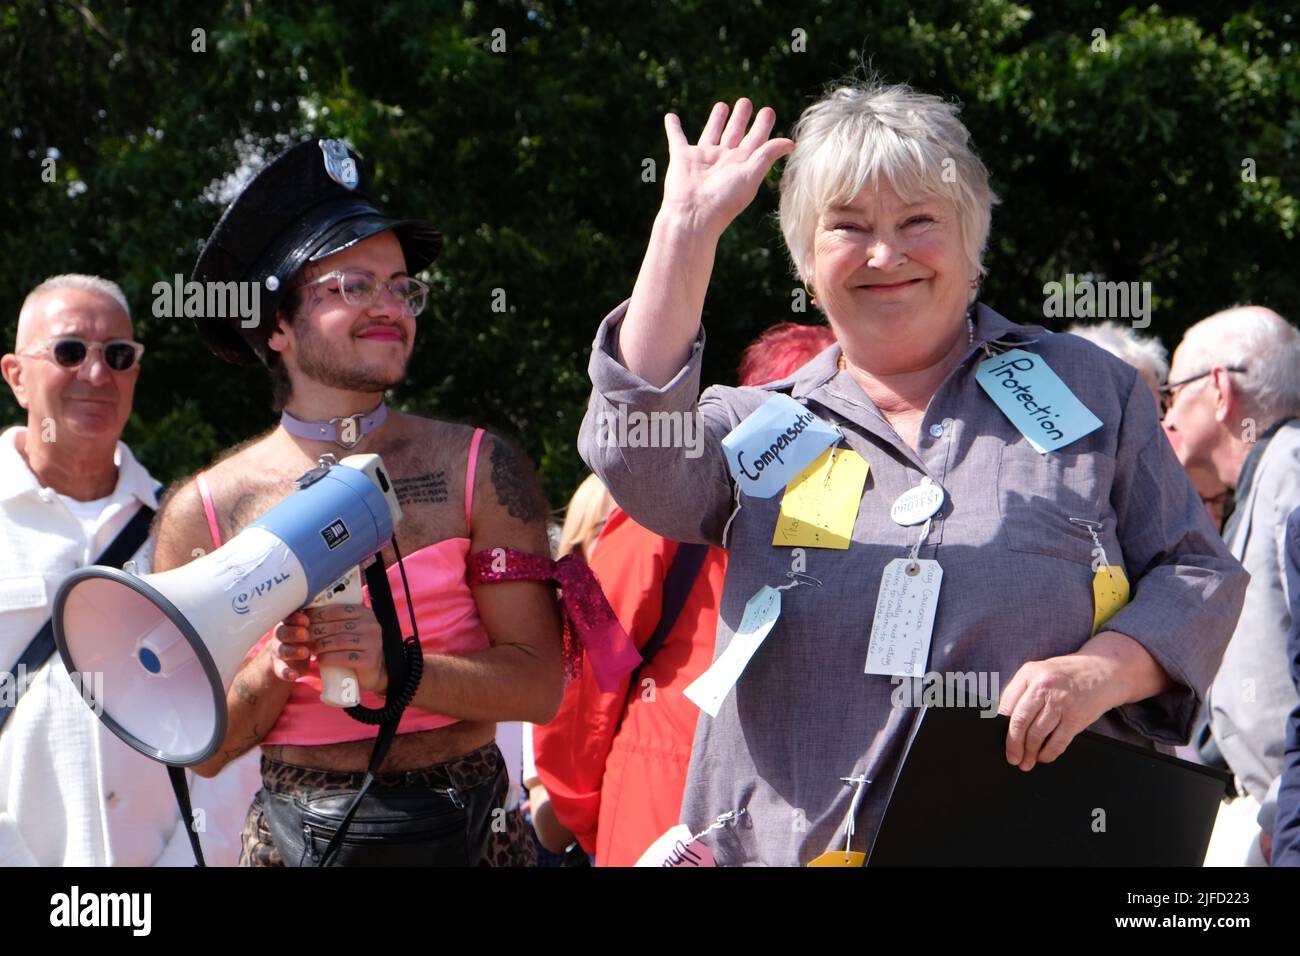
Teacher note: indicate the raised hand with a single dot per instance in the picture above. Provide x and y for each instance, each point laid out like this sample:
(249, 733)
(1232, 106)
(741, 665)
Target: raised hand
(711, 183)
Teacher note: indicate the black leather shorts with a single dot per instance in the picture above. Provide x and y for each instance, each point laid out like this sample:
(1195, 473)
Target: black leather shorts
(449, 814)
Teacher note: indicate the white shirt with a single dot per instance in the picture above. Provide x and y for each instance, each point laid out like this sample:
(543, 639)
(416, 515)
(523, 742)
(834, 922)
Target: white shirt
(510, 739)
(71, 793)
(89, 513)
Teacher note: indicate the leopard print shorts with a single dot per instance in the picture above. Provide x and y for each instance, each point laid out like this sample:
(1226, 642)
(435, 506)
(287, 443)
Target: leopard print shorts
(509, 843)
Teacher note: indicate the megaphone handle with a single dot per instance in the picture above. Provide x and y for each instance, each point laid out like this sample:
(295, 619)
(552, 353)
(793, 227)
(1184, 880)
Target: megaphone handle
(339, 685)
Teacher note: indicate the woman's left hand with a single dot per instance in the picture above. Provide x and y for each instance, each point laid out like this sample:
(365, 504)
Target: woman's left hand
(348, 635)
(1050, 701)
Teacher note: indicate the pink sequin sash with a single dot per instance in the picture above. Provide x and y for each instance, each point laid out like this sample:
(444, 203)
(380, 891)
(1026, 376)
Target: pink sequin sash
(590, 624)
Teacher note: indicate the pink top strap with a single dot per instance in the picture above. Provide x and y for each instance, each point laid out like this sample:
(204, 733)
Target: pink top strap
(469, 478)
(206, 494)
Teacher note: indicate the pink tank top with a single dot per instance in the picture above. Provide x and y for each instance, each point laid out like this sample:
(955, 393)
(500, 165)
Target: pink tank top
(449, 624)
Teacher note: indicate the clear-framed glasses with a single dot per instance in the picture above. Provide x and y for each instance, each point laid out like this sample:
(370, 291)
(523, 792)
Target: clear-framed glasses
(70, 351)
(1168, 392)
(361, 288)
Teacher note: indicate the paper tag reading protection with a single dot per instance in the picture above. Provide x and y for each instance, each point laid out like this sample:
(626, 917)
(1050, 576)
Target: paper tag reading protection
(820, 506)
(710, 689)
(777, 441)
(677, 848)
(904, 618)
(1109, 594)
(1036, 401)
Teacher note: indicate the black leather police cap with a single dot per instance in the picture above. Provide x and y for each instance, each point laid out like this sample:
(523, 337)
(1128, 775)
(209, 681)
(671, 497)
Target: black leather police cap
(307, 203)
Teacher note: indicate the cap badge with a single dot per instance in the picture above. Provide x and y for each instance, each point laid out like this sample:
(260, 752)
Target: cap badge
(341, 167)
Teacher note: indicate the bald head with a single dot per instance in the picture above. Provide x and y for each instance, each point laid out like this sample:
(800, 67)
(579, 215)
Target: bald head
(31, 318)
(1253, 338)
(83, 407)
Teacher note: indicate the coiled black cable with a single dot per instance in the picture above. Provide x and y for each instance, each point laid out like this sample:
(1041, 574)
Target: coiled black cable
(405, 665)
(395, 703)
(411, 663)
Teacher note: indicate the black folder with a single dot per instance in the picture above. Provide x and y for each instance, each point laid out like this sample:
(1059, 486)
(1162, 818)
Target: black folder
(957, 802)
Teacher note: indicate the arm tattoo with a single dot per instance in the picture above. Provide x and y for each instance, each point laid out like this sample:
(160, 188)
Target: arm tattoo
(422, 488)
(244, 692)
(516, 485)
(245, 745)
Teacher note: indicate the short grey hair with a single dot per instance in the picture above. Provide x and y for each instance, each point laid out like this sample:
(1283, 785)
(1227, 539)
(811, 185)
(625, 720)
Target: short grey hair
(1265, 345)
(1144, 353)
(71, 280)
(855, 133)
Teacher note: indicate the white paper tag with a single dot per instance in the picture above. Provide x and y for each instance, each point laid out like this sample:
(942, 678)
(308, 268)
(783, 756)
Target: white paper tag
(710, 689)
(904, 618)
(676, 848)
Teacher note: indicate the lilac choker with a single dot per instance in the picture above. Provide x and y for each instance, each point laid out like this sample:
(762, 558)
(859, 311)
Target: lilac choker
(345, 432)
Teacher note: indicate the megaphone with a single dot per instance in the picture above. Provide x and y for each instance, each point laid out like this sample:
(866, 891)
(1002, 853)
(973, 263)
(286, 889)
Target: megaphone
(168, 644)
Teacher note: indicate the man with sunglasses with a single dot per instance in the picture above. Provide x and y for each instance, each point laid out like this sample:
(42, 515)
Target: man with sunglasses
(72, 793)
(336, 278)
(1230, 411)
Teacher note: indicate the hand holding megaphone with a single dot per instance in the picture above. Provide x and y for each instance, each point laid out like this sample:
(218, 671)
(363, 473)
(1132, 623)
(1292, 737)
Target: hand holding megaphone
(337, 626)
(169, 644)
(339, 686)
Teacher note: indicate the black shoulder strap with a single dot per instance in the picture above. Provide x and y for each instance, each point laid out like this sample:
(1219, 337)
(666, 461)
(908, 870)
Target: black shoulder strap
(41, 649)
(182, 791)
(677, 588)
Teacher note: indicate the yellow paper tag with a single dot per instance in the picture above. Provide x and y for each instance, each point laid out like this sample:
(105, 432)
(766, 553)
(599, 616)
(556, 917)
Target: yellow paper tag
(839, 858)
(1109, 594)
(820, 505)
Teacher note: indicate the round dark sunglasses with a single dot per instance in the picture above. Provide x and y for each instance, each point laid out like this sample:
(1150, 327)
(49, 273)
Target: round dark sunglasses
(69, 352)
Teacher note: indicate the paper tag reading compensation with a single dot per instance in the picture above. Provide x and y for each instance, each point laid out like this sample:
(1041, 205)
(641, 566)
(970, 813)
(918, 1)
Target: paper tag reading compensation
(676, 848)
(1036, 401)
(820, 506)
(710, 689)
(904, 619)
(776, 442)
(1109, 594)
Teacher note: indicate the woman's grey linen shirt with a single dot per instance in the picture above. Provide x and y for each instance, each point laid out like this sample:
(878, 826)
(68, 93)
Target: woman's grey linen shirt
(1017, 574)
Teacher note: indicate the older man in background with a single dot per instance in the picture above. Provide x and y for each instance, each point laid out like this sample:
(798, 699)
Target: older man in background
(1149, 357)
(1234, 392)
(71, 793)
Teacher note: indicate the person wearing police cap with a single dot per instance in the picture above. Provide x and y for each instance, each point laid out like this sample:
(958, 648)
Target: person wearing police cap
(339, 301)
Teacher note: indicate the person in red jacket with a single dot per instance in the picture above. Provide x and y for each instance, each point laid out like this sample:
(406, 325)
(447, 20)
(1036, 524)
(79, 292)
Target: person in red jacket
(614, 764)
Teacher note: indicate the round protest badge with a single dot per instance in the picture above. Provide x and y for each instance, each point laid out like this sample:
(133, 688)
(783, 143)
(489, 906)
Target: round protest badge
(916, 504)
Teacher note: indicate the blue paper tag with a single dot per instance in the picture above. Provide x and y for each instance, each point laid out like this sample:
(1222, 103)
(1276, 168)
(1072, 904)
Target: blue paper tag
(776, 442)
(1034, 398)
(711, 688)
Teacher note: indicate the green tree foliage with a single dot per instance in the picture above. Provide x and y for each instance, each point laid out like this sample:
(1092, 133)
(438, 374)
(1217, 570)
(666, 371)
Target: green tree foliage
(1116, 137)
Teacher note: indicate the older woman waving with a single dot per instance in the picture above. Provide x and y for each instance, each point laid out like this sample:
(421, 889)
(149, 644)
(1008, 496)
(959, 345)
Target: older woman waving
(942, 492)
